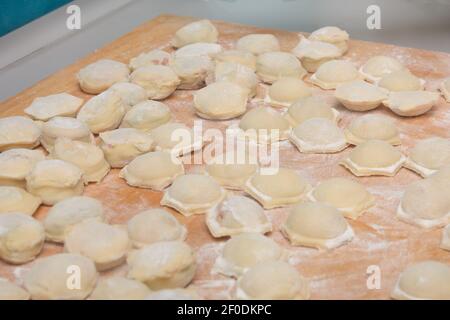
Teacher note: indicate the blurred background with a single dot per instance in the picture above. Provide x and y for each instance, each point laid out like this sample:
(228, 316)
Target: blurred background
(35, 41)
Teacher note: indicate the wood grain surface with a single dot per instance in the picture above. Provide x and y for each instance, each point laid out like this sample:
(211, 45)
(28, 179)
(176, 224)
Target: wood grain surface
(380, 239)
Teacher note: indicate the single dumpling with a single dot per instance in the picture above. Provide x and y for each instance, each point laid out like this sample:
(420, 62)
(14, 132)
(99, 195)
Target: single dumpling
(273, 280)
(271, 66)
(378, 66)
(176, 138)
(445, 243)
(221, 100)
(198, 49)
(281, 189)
(158, 80)
(333, 35)
(237, 214)
(69, 212)
(163, 265)
(11, 291)
(372, 127)
(197, 31)
(103, 112)
(445, 89)
(401, 80)
(48, 278)
(311, 107)
(21, 238)
(411, 103)
(86, 156)
(429, 155)
(244, 58)
(153, 170)
(119, 288)
(64, 127)
(102, 74)
(333, 73)
(314, 53)
(106, 245)
(238, 74)
(360, 96)
(156, 56)
(18, 132)
(318, 135)
(285, 91)
(425, 204)
(258, 43)
(426, 280)
(193, 194)
(55, 105)
(15, 164)
(346, 195)
(55, 180)
(130, 93)
(13, 199)
(155, 225)
(146, 116)
(244, 251)
(231, 174)
(317, 225)
(192, 71)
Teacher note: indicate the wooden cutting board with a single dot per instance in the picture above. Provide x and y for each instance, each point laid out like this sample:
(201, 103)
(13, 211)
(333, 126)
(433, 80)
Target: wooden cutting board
(380, 240)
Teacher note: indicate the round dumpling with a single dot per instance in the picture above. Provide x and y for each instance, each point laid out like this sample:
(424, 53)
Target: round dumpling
(119, 288)
(258, 43)
(372, 127)
(333, 73)
(16, 164)
(271, 66)
(378, 66)
(244, 58)
(18, 132)
(308, 108)
(401, 80)
(192, 70)
(411, 103)
(313, 53)
(231, 175)
(102, 74)
(332, 35)
(11, 291)
(176, 138)
(158, 80)
(13, 199)
(429, 155)
(130, 93)
(197, 31)
(146, 116)
(285, 91)
(198, 49)
(360, 96)
(149, 58)
(238, 74)
(55, 105)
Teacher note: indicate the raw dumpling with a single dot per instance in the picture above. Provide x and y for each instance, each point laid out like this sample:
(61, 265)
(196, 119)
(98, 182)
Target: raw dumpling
(238, 74)
(55, 180)
(333, 35)
(401, 80)
(21, 238)
(155, 225)
(314, 53)
(123, 145)
(161, 265)
(103, 112)
(146, 116)
(198, 49)
(231, 174)
(318, 135)
(173, 294)
(237, 214)
(281, 189)
(176, 138)
(360, 95)
(221, 100)
(445, 89)
(258, 43)
(445, 244)
(426, 280)
(285, 91)
(372, 127)
(346, 195)
(61, 104)
(429, 155)
(86, 156)
(102, 74)
(411, 103)
(106, 245)
(197, 31)
(442, 176)
(244, 251)
(271, 66)
(130, 93)
(425, 204)
(192, 71)
(149, 58)
(378, 66)
(64, 127)
(374, 158)
(308, 108)
(244, 58)
(273, 280)
(119, 288)
(18, 132)
(15, 164)
(193, 194)
(11, 291)
(67, 213)
(317, 225)
(153, 170)
(158, 80)
(13, 199)
(333, 73)
(49, 277)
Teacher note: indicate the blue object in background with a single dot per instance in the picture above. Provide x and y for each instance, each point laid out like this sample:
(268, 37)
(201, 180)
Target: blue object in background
(16, 13)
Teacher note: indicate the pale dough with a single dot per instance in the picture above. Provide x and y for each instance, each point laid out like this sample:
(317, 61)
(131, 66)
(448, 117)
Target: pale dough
(15, 164)
(61, 104)
(11, 291)
(372, 126)
(119, 288)
(173, 294)
(429, 155)
(333, 35)
(176, 138)
(130, 93)
(378, 66)
(445, 89)
(231, 174)
(158, 80)
(360, 96)
(271, 66)
(13, 199)
(310, 107)
(198, 49)
(313, 53)
(258, 43)
(401, 80)
(102, 74)
(149, 58)
(18, 132)
(411, 103)
(192, 71)
(285, 91)
(147, 115)
(197, 31)
(445, 243)
(333, 73)
(238, 74)
(244, 58)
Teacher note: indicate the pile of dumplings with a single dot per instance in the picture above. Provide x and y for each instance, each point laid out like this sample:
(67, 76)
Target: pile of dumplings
(64, 143)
